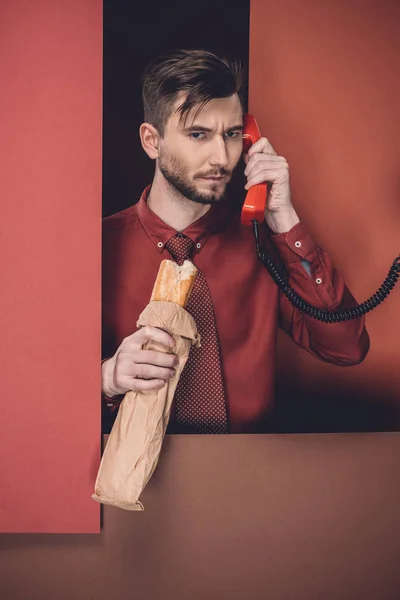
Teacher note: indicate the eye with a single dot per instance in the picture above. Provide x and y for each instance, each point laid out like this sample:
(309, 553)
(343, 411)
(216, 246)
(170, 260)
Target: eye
(233, 134)
(197, 135)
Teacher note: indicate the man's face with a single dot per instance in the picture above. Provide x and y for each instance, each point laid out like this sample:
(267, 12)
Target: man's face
(197, 157)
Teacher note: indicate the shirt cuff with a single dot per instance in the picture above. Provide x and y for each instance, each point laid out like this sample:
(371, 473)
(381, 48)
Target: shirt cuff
(295, 243)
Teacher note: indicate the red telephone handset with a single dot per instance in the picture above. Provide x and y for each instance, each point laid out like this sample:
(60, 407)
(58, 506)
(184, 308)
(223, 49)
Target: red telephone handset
(256, 198)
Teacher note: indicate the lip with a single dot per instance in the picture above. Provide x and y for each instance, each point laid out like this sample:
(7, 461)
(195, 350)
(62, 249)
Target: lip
(214, 178)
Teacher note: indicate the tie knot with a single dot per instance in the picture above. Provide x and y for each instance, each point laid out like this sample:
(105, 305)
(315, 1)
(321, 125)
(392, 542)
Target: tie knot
(180, 247)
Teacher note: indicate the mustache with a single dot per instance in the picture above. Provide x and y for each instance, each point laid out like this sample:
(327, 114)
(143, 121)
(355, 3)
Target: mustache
(220, 173)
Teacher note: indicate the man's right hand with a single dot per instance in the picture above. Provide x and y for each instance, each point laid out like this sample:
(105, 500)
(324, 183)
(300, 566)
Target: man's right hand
(132, 368)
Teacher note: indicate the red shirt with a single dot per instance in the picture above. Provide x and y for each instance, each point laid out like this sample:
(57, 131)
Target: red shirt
(248, 305)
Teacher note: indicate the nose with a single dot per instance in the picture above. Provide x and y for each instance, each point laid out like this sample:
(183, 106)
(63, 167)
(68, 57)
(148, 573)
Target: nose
(219, 155)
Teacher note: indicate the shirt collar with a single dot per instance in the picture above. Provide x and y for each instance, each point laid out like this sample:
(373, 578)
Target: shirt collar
(199, 231)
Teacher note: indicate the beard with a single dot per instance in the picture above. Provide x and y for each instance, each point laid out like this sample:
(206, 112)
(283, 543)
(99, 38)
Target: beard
(176, 173)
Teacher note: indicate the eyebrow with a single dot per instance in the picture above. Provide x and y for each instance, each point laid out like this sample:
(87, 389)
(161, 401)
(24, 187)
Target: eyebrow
(207, 129)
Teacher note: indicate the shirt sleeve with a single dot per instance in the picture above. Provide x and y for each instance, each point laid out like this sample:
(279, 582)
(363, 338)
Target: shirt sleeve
(313, 276)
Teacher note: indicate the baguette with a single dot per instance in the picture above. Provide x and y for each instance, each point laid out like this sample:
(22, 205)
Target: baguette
(174, 282)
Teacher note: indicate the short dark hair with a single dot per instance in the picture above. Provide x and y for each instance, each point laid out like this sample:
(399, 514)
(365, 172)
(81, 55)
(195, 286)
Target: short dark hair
(202, 74)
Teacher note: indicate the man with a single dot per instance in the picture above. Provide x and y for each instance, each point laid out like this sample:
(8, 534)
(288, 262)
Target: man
(193, 108)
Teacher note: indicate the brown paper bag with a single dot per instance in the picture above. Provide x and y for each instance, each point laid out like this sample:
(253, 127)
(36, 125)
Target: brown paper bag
(134, 444)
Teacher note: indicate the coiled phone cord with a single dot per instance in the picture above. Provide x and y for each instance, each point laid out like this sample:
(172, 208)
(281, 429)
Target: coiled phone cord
(324, 315)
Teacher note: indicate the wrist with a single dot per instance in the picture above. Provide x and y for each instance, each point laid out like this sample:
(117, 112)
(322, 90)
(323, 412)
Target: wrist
(282, 221)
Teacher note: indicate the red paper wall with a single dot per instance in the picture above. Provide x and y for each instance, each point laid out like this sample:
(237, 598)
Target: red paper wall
(324, 86)
(50, 187)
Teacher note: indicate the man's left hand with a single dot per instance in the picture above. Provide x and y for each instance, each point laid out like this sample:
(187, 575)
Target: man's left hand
(265, 166)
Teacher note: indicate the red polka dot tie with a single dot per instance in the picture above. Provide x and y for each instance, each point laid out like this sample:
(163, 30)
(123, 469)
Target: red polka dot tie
(199, 398)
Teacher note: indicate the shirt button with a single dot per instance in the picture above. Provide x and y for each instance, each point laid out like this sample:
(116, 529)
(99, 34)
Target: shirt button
(318, 280)
(297, 244)
(160, 244)
(198, 245)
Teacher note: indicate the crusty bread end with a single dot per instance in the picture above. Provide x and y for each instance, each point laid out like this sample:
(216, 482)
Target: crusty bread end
(174, 282)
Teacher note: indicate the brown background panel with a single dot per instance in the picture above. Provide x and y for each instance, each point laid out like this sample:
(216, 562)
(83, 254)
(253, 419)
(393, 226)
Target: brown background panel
(283, 517)
(50, 245)
(324, 86)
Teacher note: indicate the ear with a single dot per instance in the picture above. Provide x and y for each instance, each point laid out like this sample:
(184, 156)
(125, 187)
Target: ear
(150, 139)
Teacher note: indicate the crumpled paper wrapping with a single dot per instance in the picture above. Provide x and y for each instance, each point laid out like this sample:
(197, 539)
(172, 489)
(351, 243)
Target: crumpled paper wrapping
(134, 444)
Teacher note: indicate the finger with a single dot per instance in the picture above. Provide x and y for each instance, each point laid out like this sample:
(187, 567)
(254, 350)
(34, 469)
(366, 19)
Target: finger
(152, 357)
(152, 372)
(155, 334)
(129, 366)
(266, 176)
(144, 385)
(262, 145)
(263, 156)
(267, 159)
(265, 165)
